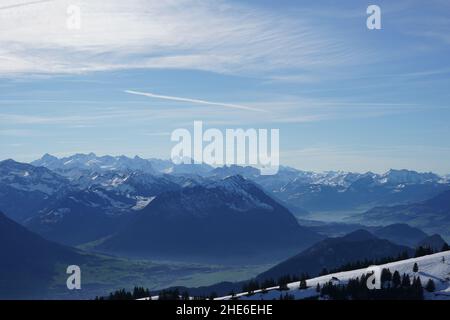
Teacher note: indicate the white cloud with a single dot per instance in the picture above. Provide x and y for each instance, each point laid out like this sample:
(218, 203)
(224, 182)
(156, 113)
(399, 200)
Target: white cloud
(203, 35)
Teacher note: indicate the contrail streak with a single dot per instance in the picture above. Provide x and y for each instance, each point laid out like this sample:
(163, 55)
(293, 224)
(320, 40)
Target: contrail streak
(24, 4)
(196, 101)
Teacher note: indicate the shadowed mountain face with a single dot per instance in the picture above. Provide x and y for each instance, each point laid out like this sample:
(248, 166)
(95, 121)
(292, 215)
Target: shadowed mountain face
(226, 218)
(336, 252)
(28, 262)
(400, 233)
(79, 217)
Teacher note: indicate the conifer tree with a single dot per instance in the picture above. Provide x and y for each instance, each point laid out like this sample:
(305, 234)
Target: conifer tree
(303, 284)
(396, 279)
(418, 289)
(430, 287)
(406, 281)
(386, 276)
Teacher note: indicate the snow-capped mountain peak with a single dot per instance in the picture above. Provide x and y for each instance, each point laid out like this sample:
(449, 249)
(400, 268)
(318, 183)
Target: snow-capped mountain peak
(407, 177)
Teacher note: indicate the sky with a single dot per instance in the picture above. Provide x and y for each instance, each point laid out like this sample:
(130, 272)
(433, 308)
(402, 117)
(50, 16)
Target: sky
(343, 97)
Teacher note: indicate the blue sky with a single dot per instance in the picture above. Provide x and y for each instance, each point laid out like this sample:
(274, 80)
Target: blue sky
(344, 97)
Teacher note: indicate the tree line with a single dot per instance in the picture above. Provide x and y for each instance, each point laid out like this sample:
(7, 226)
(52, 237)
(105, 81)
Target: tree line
(393, 287)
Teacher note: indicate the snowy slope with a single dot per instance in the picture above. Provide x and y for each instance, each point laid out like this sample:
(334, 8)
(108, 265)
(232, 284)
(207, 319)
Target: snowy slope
(430, 267)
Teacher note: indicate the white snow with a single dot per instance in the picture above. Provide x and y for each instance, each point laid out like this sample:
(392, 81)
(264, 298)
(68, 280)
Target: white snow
(142, 202)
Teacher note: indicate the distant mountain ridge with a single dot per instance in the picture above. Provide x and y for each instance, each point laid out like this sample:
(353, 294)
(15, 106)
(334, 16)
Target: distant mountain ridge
(400, 233)
(92, 162)
(331, 178)
(102, 195)
(435, 242)
(70, 166)
(432, 215)
(301, 191)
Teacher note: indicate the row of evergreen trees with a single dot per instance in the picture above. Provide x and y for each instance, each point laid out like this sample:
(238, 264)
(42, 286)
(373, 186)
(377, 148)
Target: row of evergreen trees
(424, 251)
(123, 294)
(393, 287)
(282, 283)
(360, 264)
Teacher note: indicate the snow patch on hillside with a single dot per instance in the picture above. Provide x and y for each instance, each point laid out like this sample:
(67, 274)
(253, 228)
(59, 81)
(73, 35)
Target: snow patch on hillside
(142, 202)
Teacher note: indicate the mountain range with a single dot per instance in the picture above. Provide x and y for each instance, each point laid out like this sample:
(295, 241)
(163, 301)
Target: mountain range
(136, 212)
(300, 191)
(84, 198)
(223, 219)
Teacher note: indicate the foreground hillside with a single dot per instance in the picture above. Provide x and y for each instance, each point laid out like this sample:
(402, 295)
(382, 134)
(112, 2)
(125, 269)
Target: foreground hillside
(435, 267)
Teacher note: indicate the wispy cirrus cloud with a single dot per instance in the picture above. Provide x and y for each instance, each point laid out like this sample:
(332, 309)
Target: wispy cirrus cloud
(203, 35)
